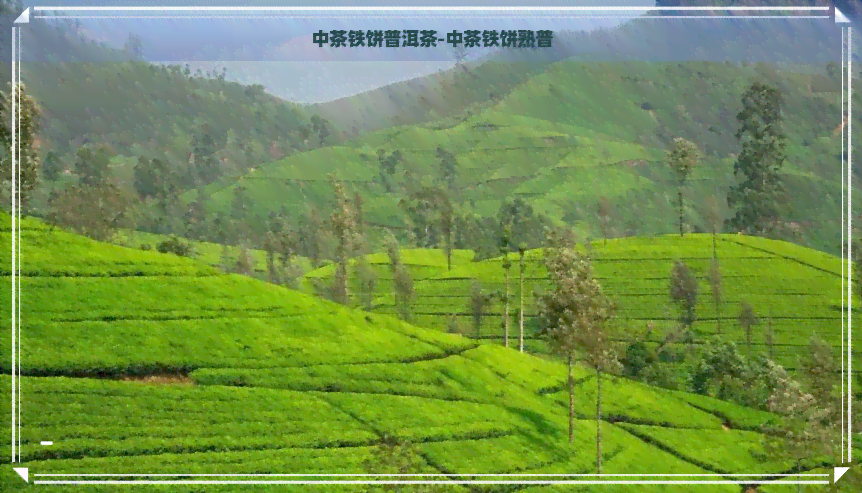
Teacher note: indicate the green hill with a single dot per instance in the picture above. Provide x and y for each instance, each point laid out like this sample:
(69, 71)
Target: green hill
(793, 289)
(578, 133)
(421, 263)
(206, 252)
(259, 379)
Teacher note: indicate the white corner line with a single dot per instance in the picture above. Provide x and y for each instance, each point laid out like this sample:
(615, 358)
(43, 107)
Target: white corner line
(839, 471)
(450, 482)
(849, 244)
(421, 9)
(23, 472)
(356, 475)
(24, 18)
(14, 256)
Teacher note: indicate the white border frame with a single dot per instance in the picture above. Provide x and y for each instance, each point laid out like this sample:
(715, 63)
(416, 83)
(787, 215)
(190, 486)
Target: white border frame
(40, 12)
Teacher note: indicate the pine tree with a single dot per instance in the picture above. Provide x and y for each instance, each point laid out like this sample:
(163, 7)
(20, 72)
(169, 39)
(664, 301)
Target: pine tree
(759, 163)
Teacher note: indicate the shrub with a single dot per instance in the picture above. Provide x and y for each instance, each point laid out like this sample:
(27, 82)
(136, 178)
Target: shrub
(176, 246)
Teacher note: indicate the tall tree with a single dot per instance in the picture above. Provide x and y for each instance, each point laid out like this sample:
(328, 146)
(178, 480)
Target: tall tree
(522, 249)
(714, 220)
(577, 313)
(716, 291)
(402, 282)
(758, 165)
(311, 235)
(423, 208)
(604, 211)
(344, 227)
(206, 144)
(367, 280)
(526, 225)
(389, 165)
(479, 301)
(682, 157)
(819, 371)
(29, 119)
(448, 167)
(447, 220)
(97, 206)
(507, 264)
(769, 338)
(683, 291)
(270, 246)
(804, 430)
(747, 319)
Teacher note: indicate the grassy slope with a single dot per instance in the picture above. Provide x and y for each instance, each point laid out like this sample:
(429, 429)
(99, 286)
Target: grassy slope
(421, 263)
(287, 383)
(206, 252)
(798, 288)
(577, 132)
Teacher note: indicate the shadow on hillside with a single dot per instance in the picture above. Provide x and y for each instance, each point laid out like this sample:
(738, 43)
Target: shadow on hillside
(541, 424)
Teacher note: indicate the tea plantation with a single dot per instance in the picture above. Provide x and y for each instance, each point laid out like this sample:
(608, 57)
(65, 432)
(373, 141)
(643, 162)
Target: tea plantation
(794, 290)
(139, 362)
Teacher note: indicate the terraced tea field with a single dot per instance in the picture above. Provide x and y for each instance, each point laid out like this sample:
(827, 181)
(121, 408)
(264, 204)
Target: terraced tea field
(206, 373)
(421, 263)
(794, 289)
(206, 252)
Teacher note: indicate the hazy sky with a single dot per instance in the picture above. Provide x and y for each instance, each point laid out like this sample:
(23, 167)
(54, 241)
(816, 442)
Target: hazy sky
(276, 49)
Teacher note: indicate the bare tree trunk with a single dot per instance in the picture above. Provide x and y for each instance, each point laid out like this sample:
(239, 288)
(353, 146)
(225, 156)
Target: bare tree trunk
(748, 339)
(521, 309)
(680, 210)
(571, 403)
(506, 313)
(798, 470)
(599, 420)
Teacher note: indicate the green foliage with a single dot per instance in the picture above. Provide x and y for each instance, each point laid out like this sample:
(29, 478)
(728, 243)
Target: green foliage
(176, 246)
(683, 291)
(29, 116)
(479, 302)
(758, 166)
(682, 158)
(637, 358)
(747, 320)
(93, 165)
(96, 210)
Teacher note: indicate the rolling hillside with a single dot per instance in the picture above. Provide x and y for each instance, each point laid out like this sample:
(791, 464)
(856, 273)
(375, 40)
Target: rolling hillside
(208, 253)
(580, 132)
(253, 378)
(421, 263)
(795, 290)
